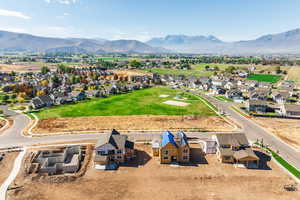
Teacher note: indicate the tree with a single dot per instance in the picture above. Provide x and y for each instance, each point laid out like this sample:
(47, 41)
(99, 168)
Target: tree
(44, 82)
(207, 67)
(1, 111)
(45, 70)
(135, 64)
(21, 100)
(230, 69)
(40, 93)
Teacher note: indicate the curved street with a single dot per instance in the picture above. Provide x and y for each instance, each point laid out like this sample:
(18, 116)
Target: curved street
(254, 132)
(13, 136)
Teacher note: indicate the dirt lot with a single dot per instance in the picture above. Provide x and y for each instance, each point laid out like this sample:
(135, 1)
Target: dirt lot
(28, 67)
(150, 180)
(287, 129)
(6, 165)
(141, 122)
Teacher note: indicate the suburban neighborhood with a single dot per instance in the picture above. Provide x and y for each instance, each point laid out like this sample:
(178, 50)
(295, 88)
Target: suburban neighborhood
(149, 100)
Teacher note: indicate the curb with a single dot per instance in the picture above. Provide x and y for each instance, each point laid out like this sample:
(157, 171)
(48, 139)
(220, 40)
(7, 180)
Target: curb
(6, 124)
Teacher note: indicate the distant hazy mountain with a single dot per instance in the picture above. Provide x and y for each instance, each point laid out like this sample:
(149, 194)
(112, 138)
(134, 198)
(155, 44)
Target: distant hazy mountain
(186, 44)
(10, 41)
(282, 43)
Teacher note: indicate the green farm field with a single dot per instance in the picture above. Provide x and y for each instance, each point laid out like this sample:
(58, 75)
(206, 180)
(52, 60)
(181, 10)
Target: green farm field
(264, 78)
(141, 102)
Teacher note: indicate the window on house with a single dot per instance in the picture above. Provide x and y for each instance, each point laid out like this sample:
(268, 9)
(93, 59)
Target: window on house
(101, 153)
(185, 151)
(119, 151)
(119, 157)
(185, 157)
(166, 152)
(111, 151)
(166, 157)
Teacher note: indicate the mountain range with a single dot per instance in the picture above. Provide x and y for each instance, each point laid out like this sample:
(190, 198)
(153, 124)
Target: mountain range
(282, 43)
(10, 41)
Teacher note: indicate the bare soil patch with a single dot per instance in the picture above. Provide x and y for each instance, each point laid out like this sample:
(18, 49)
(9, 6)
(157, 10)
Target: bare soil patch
(287, 129)
(6, 165)
(151, 180)
(140, 122)
(28, 67)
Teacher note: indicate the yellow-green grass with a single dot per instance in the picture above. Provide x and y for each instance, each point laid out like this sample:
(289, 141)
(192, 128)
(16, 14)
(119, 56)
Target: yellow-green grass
(294, 74)
(141, 102)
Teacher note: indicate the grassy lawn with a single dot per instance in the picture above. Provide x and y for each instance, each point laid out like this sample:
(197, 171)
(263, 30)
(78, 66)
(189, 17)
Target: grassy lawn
(264, 78)
(222, 98)
(141, 102)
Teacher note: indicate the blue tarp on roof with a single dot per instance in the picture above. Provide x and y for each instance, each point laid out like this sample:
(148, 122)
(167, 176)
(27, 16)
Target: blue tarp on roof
(183, 138)
(168, 137)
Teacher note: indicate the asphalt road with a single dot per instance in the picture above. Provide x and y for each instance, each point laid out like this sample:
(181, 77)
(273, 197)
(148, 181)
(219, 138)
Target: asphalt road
(254, 132)
(13, 136)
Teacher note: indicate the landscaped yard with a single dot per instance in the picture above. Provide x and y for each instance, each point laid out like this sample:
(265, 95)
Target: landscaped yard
(141, 102)
(264, 78)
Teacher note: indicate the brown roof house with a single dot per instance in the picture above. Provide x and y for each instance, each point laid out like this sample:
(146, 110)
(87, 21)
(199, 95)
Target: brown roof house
(113, 148)
(234, 148)
(291, 110)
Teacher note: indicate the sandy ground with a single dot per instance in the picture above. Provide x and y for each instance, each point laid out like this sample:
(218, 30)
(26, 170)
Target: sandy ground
(287, 129)
(29, 67)
(129, 72)
(141, 122)
(149, 180)
(6, 165)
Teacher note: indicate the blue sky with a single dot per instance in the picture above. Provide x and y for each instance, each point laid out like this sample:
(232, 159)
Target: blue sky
(229, 20)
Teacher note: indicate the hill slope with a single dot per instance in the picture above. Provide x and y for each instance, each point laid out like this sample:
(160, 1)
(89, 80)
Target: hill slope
(25, 42)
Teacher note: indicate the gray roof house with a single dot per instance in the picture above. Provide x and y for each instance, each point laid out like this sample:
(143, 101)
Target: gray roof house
(113, 148)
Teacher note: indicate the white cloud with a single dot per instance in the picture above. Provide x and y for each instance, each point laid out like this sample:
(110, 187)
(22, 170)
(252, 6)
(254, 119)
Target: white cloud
(66, 2)
(12, 13)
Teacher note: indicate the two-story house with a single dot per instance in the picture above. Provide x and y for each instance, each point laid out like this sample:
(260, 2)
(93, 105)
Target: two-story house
(235, 148)
(113, 148)
(174, 148)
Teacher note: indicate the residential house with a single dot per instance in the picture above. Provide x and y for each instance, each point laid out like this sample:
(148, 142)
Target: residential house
(93, 93)
(259, 94)
(77, 95)
(235, 94)
(257, 106)
(113, 148)
(291, 110)
(280, 96)
(174, 148)
(235, 148)
(41, 102)
(265, 85)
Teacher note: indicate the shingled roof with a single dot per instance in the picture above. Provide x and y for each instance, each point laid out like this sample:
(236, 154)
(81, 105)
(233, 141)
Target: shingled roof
(116, 139)
(235, 139)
